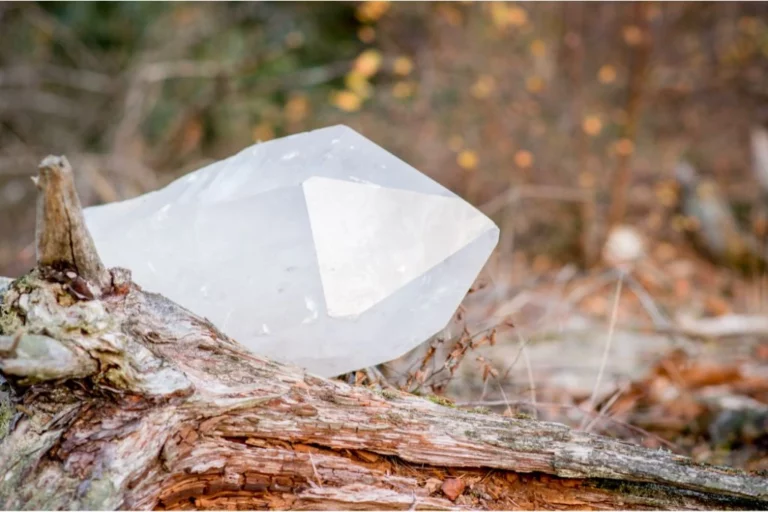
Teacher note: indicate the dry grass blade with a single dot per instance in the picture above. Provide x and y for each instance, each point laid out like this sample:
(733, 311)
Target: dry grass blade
(607, 350)
(528, 368)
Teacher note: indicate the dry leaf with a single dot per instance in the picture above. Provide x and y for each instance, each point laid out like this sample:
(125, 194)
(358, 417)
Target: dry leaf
(453, 487)
(432, 485)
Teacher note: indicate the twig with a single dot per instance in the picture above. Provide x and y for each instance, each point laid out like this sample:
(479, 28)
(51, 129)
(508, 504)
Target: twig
(608, 342)
(522, 342)
(504, 397)
(605, 407)
(27, 76)
(535, 192)
(69, 41)
(601, 280)
(517, 356)
(41, 102)
(659, 319)
(160, 71)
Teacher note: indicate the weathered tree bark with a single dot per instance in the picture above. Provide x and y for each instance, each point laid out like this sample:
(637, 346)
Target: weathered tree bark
(121, 399)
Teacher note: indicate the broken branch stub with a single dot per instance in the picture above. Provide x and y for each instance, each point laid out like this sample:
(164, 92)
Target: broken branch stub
(62, 238)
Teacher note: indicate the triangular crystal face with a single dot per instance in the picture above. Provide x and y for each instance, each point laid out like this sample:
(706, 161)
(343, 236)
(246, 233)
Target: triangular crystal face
(371, 241)
(320, 249)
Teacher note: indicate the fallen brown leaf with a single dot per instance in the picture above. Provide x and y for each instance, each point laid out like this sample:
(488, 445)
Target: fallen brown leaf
(453, 487)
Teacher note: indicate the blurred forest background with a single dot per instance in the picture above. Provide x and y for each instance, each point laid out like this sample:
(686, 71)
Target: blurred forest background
(570, 124)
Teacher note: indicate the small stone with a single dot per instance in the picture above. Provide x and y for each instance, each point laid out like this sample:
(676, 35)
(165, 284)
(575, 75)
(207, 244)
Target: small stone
(320, 249)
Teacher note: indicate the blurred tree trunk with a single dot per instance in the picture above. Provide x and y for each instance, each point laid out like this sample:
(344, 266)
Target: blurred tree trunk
(119, 398)
(637, 35)
(572, 59)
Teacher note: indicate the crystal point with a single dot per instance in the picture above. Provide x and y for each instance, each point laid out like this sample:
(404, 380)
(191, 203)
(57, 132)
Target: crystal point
(320, 249)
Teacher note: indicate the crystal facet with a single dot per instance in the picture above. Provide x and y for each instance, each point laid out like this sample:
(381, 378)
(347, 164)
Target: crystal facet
(319, 249)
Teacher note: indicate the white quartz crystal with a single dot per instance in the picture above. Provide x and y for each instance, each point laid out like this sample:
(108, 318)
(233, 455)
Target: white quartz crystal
(319, 249)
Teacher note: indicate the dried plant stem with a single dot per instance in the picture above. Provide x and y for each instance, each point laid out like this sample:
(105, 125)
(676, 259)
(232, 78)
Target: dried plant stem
(607, 350)
(528, 368)
(606, 407)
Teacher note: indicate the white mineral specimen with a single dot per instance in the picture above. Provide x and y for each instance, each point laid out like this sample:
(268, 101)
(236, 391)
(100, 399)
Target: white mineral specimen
(319, 249)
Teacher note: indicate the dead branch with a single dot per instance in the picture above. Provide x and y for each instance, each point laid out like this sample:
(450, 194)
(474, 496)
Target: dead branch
(33, 76)
(41, 102)
(62, 240)
(126, 400)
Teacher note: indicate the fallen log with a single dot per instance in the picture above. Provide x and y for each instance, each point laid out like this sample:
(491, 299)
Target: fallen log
(117, 398)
